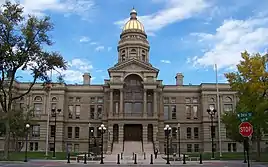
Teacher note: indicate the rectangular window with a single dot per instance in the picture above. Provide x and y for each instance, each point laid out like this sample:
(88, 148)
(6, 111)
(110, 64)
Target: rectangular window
(173, 100)
(166, 112)
(174, 133)
(187, 100)
(52, 130)
(69, 147)
(31, 146)
(166, 99)
(36, 131)
(53, 106)
(149, 109)
(92, 112)
(229, 147)
(100, 99)
(213, 131)
(195, 100)
(93, 100)
(76, 148)
(77, 111)
(36, 146)
(76, 129)
(189, 148)
(71, 99)
(234, 147)
(116, 107)
(98, 133)
(51, 147)
(70, 132)
(196, 133)
(195, 112)
(173, 111)
(78, 99)
(196, 147)
(70, 110)
(37, 109)
(137, 108)
(127, 108)
(189, 133)
(99, 112)
(228, 107)
(188, 112)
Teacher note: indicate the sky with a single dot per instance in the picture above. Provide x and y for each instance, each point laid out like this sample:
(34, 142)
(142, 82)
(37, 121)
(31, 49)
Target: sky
(187, 36)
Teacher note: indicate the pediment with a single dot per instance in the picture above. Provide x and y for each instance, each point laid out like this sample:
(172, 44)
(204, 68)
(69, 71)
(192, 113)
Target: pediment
(133, 65)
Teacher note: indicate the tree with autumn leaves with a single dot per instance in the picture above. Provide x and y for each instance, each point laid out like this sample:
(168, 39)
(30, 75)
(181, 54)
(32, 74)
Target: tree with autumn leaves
(251, 84)
(22, 48)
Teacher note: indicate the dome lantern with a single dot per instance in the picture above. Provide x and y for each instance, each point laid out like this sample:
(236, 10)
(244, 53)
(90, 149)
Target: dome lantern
(133, 23)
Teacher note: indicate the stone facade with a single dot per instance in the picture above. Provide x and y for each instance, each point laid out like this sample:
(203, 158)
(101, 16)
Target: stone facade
(132, 95)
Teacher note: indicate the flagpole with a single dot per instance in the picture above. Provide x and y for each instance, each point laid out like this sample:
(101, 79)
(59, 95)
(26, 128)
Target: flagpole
(48, 113)
(219, 110)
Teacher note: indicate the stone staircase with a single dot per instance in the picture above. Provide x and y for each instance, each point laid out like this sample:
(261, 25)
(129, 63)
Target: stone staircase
(117, 148)
(148, 148)
(132, 146)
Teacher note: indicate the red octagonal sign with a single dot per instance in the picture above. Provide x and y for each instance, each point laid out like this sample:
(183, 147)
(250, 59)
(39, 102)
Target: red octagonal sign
(245, 129)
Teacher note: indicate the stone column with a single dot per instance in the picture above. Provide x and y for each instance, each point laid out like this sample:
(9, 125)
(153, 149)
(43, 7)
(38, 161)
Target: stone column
(145, 133)
(155, 103)
(111, 104)
(121, 103)
(145, 103)
(121, 133)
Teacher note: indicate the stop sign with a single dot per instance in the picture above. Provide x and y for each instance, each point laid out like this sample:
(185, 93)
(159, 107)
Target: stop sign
(245, 129)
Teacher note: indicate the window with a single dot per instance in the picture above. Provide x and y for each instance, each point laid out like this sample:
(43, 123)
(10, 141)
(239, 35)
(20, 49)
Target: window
(229, 147)
(31, 146)
(70, 110)
(213, 130)
(92, 99)
(53, 105)
(100, 99)
(70, 132)
(189, 133)
(123, 57)
(51, 146)
(38, 98)
(165, 100)
(228, 99)
(36, 146)
(127, 108)
(149, 109)
(71, 99)
(227, 107)
(173, 109)
(78, 99)
(69, 147)
(174, 133)
(116, 107)
(77, 111)
(54, 99)
(92, 111)
(195, 100)
(196, 147)
(36, 131)
(98, 133)
(52, 130)
(187, 100)
(196, 133)
(195, 112)
(137, 107)
(189, 147)
(76, 133)
(173, 148)
(99, 112)
(143, 57)
(173, 100)
(76, 148)
(234, 147)
(188, 112)
(166, 112)
(91, 129)
(37, 109)
(211, 99)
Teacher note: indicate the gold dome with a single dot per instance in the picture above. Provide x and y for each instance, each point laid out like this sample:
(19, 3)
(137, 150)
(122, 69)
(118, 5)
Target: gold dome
(133, 23)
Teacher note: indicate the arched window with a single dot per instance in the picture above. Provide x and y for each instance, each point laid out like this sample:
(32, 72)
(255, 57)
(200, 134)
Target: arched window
(133, 53)
(228, 99)
(38, 98)
(54, 99)
(212, 100)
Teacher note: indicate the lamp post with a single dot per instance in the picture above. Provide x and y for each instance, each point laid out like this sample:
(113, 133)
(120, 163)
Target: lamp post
(27, 126)
(179, 137)
(167, 130)
(54, 114)
(102, 129)
(212, 112)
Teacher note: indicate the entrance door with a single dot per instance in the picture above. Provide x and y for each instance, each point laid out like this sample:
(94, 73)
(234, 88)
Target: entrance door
(133, 132)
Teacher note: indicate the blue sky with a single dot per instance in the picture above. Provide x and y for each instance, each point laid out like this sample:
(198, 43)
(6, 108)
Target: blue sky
(187, 36)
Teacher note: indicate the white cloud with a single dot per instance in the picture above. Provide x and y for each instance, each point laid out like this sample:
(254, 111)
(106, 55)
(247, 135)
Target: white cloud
(93, 43)
(99, 70)
(109, 49)
(224, 47)
(174, 11)
(99, 48)
(84, 39)
(165, 61)
(39, 7)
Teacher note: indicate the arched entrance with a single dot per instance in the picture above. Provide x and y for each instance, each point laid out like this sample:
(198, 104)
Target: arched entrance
(132, 132)
(115, 132)
(150, 133)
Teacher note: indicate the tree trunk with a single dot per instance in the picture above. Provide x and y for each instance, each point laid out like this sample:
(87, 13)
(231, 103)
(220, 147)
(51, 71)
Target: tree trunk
(7, 139)
(258, 156)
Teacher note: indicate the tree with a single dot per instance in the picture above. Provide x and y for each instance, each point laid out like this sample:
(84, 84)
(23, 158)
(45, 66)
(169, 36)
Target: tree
(22, 42)
(251, 84)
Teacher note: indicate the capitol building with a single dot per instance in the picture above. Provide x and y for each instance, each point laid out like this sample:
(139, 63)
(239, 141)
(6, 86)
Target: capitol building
(134, 106)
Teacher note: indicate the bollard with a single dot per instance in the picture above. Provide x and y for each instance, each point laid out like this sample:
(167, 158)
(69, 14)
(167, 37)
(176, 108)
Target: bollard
(68, 158)
(135, 159)
(118, 158)
(184, 161)
(85, 159)
(200, 159)
(144, 155)
(121, 155)
(151, 159)
(133, 155)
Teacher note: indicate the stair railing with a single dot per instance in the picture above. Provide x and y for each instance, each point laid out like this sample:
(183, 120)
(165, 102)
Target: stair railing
(142, 147)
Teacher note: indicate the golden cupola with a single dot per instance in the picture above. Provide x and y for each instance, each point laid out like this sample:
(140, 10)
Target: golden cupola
(133, 23)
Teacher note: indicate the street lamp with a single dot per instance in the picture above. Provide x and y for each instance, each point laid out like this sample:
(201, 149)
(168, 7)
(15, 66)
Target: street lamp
(54, 114)
(167, 130)
(27, 126)
(212, 113)
(102, 129)
(179, 137)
